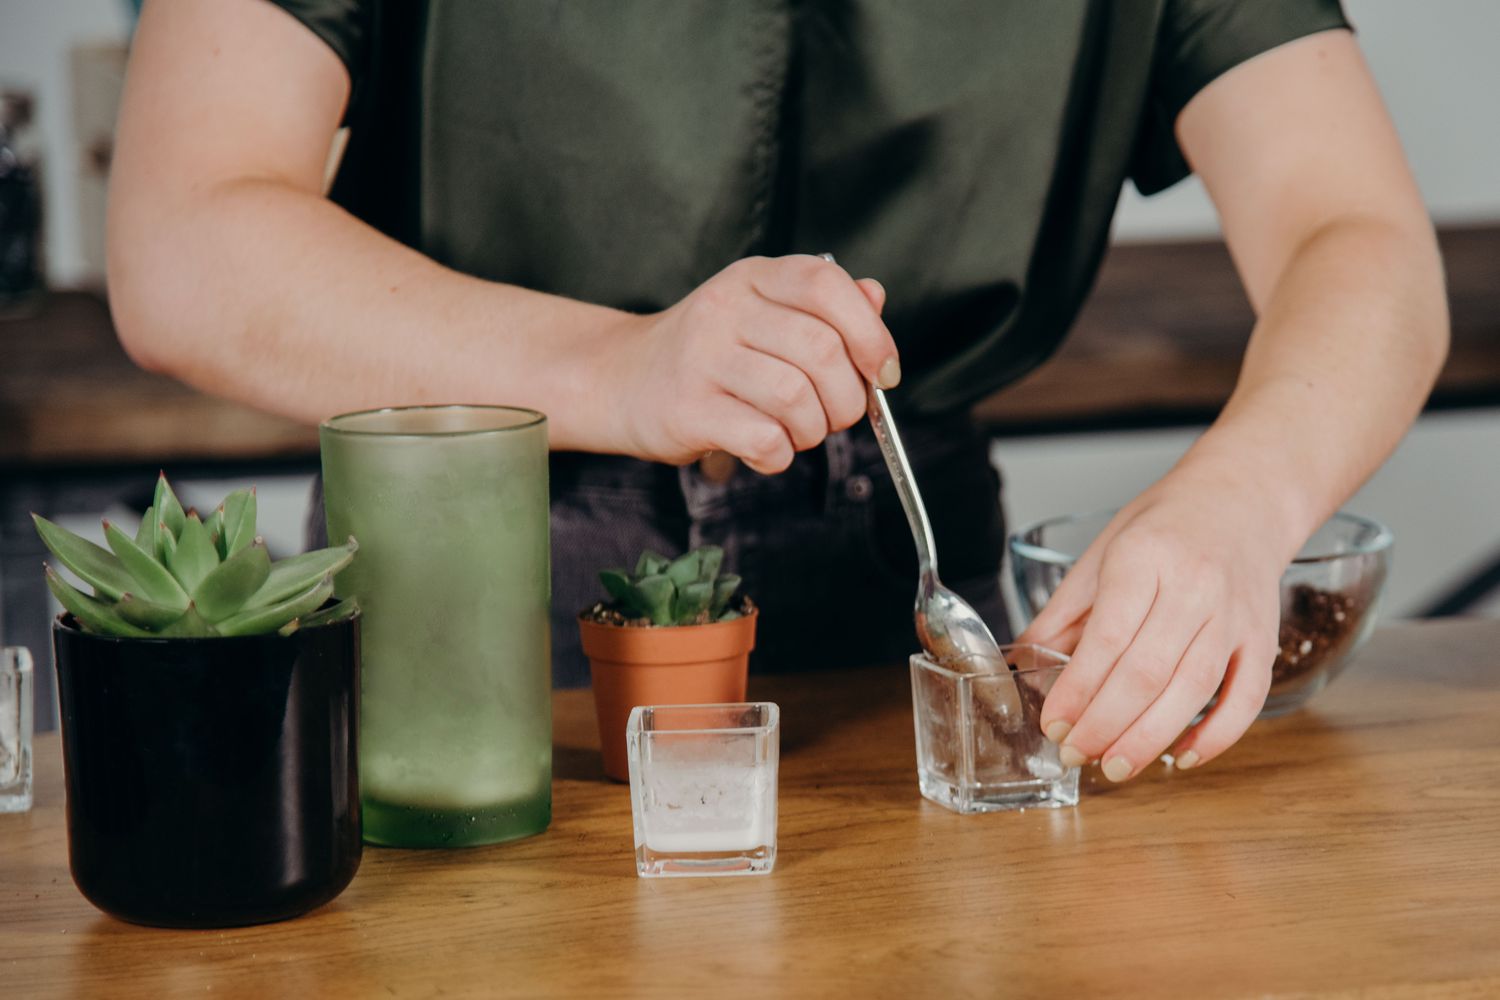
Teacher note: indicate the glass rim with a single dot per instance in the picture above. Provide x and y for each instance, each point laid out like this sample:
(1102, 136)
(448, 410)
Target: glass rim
(1382, 541)
(534, 418)
(925, 662)
(771, 709)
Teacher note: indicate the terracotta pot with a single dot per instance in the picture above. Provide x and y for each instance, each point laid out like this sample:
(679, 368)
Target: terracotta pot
(678, 665)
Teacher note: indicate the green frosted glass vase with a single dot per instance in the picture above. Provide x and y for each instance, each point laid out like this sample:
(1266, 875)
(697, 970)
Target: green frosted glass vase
(449, 504)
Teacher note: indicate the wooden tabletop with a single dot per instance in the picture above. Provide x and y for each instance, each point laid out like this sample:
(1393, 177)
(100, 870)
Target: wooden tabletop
(1349, 848)
(1160, 339)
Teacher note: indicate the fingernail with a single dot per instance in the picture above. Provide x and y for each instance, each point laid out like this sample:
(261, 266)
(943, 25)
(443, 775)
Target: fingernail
(1071, 757)
(1187, 759)
(1058, 730)
(1117, 769)
(889, 375)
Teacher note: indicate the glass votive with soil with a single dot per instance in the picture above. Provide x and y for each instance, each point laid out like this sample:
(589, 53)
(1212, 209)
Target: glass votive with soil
(1330, 593)
(1330, 601)
(703, 788)
(980, 746)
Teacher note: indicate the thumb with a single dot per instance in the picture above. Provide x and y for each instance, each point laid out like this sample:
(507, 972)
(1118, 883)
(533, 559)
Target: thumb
(874, 291)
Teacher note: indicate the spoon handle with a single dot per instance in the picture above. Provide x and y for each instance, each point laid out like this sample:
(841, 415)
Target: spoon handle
(889, 440)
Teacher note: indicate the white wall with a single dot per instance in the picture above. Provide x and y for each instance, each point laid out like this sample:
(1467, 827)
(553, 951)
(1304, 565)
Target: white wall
(1436, 66)
(35, 39)
(1439, 493)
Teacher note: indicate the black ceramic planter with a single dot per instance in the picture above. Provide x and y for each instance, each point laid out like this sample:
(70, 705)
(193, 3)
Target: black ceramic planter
(211, 782)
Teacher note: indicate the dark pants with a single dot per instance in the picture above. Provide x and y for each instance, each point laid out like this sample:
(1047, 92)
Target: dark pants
(824, 548)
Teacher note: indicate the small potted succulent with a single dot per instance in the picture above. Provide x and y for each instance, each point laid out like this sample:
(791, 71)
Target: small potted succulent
(672, 634)
(210, 703)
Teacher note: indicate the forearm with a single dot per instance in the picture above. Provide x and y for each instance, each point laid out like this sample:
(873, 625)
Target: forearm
(261, 292)
(1346, 349)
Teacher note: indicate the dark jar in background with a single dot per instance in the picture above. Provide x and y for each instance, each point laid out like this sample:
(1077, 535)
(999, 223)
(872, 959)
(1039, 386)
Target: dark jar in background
(20, 202)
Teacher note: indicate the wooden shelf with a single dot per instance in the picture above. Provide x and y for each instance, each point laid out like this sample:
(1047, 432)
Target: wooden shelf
(1160, 341)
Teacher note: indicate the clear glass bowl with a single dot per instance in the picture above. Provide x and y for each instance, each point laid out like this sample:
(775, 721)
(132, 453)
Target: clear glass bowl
(1330, 594)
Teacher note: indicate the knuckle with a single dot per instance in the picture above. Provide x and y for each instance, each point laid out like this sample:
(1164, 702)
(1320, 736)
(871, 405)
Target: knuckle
(823, 279)
(1148, 677)
(1201, 683)
(844, 415)
(790, 392)
(1110, 635)
(827, 349)
(765, 443)
(710, 302)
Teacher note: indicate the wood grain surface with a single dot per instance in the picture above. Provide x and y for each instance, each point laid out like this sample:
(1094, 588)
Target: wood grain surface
(1347, 849)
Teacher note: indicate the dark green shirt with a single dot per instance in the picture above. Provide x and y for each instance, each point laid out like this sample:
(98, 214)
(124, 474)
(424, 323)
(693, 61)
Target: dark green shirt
(967, 153)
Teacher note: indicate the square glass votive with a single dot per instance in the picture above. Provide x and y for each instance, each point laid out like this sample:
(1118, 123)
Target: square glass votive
(980, 746)
(703, 788)
(15, 729)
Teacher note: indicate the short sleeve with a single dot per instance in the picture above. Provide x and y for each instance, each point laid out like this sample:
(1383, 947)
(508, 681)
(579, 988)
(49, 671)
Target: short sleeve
(1197, 42)
(345, 26)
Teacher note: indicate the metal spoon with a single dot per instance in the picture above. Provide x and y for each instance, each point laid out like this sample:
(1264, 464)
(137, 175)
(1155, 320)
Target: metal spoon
(947, 627)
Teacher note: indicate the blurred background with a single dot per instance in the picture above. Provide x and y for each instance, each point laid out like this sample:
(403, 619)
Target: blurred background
(1153, 357)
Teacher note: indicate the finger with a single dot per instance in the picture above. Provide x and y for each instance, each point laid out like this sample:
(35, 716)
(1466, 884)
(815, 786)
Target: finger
(746, 433)
(1193, 683)
(874, 291)
(1072, 599)
(781, 391)
(1125, 599)
(1065, 611)
(1138, 678)
(1243, 694)
(1065, 641)
(815, 348)
(825, 290)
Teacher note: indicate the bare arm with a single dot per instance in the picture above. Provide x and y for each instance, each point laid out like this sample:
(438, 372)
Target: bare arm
(230, 270)
(1338, 257)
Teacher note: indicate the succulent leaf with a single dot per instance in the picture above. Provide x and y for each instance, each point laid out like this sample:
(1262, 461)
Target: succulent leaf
(168, 508)
(95, 566)
(239, 520)
(182, 576)
(711, 559)
(651, 563)
(656, 594)
(189, 625)
(214, 525)
(683, 591)
(92, 614)
(691, 602)
(145, 533)
(685, 568)
(166, 543)
(229, 585)
(617, 583)
(195, 556)
(342, 611)
(724, 588)
(254, 621)
(151, 579)
(146, 614)
(294, 575)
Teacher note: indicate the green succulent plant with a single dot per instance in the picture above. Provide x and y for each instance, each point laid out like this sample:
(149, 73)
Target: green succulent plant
(688, 590)
(189, 577)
